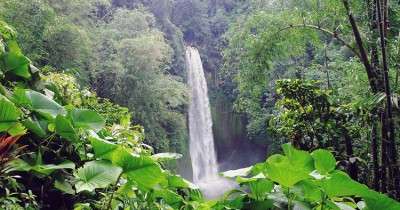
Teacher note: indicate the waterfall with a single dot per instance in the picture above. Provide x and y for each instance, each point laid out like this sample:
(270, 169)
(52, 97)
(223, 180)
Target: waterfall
(202, 151)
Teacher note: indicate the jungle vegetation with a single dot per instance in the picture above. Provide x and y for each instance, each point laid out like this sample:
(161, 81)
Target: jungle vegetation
(93, 101)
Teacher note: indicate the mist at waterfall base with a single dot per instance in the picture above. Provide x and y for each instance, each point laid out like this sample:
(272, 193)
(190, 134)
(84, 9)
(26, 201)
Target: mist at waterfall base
(234, 151)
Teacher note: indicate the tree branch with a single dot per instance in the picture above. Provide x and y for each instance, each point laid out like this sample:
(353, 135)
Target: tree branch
(325, 31)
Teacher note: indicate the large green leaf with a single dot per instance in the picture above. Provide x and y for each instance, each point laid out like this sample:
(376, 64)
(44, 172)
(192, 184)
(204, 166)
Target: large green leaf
(47, 169)
(9, 118)
(261, 187)
(258, 187)
(64, 186)
(236, 203)
(102, 148)
(53, 88)
(375, 200)
(340, 184)
(235, 173)
(34, 126)
(19, 98)
(88, 119)
(127, 190)
(324, 161)
(37, 126)
(284, 175)
(301, 160)
(175, 181)
(257, 169)
(14, 64)
(50, 168)
(166, 156)
(141, 169)
(96, 174)
(65, 129)
(169, 197)
(44, 106)
(19, 165)
(307, 191)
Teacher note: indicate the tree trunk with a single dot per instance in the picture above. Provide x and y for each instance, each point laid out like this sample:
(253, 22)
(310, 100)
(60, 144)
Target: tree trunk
(374, 48)
(385, 17)
(360, 45)
(377, 74)
(353, 169)
(394, 168)
(384, 158)
(375, 159)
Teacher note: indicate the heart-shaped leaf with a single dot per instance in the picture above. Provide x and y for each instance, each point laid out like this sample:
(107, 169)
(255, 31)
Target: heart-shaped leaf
(96, 174)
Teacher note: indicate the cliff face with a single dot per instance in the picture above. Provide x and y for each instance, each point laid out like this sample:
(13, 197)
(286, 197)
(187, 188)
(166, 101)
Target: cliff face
(231, 141)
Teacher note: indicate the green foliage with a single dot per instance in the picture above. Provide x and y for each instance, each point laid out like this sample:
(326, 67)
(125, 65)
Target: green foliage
(305, 40)
(30, 18)
(134, 58)
(304, 110)
(70, 151)
(83, 145)
(96, 174)
(65, 90)
(67, 45)
(298, 183)
(9, 118)
(118, 50)
(64, 128)
(324, 161)
(43, 105)
(191, 17)
(305, 115)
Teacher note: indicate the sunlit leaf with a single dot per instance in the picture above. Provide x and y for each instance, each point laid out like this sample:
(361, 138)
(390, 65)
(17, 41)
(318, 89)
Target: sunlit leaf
(9, 119)
(298, 159)
(235, 203)
(166, 156)
(19, 98)
(65, 129)
(14, 64)
(258, 186)
(141, 169)
(44, 106)
(236, 173)
(102, 148)
(307, 190)
(324, 161)
(50, 168)
(284, 175)
(96, 174)
(169, 197)
(340, 184)
(88, 119)
(375, 200)
(175, 181)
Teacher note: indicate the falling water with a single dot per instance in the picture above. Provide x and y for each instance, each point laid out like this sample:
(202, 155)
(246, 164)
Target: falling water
(202, 152)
